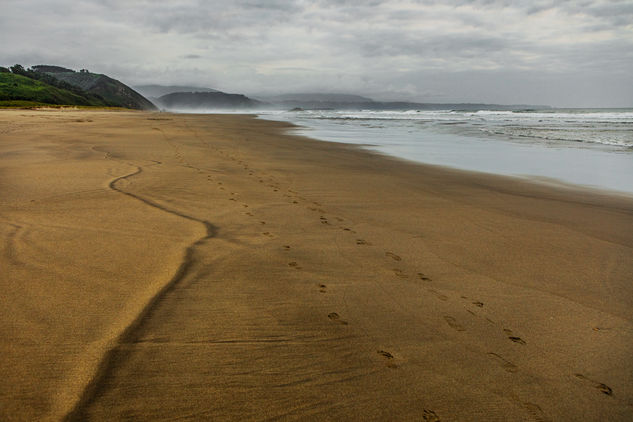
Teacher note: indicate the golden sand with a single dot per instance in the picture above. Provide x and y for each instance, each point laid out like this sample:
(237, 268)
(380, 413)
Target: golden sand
(210, 267)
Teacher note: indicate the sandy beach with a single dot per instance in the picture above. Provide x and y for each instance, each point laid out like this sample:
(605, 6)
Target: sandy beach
(158, 266)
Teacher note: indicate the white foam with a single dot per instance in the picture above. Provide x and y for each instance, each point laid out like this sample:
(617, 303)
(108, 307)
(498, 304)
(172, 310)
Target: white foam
(590, 148)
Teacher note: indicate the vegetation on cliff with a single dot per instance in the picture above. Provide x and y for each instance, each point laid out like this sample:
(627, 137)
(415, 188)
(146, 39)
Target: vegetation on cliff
(54, 85)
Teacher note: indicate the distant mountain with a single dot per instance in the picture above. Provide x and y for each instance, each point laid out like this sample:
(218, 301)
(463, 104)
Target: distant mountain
(404, 105)
(113, 92)
(317, 101)
(206, 101)
(357, 102)
(155, 91)
(317, 97)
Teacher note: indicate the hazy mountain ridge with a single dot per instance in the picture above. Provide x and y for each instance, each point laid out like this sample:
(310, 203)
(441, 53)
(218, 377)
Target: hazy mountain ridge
(207, 100)
(402, 105)
(156, 91)
(338, 101)
(311, 101)
(316, 98)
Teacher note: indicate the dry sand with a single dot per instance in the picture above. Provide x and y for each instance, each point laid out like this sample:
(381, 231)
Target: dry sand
(174, 267)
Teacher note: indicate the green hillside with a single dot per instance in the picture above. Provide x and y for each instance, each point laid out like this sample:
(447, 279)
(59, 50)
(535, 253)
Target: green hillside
(55, 85)
(112, 91)
(18, 89)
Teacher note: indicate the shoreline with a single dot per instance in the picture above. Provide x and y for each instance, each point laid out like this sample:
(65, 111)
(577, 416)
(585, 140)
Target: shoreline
(597, 194)
(584, 164)
(332, 270)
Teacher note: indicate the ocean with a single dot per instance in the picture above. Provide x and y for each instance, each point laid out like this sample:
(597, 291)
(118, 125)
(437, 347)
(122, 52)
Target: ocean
(584, 147)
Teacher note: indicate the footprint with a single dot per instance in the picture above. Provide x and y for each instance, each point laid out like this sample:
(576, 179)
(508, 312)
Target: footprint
(362, 242)
(286, 247)
(452, 322)
(245, 205)
(389, 358)
(324, 220)
(536, 412)
(322, 288)
(393, 256)
(249, 214)
(294, 264)
(262, 222)
(268, 234)
(430, 416)
(513, 338)
(385, 354)
(423, 277)
(347, 229)
(439, 295)
(603, 388)
(336, 318)
(400, 273)
(479, 304)
(505, 364)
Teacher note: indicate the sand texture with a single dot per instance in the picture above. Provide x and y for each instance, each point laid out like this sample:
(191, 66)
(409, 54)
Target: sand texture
(211, 267)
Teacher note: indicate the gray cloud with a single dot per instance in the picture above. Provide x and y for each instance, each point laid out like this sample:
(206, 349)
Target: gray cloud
(542, 51)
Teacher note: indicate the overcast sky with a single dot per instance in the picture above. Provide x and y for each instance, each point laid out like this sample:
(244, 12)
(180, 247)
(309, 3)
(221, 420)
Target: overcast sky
(562, 53)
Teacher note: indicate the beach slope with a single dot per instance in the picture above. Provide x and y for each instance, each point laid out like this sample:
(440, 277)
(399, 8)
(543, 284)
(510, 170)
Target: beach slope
(211, 267)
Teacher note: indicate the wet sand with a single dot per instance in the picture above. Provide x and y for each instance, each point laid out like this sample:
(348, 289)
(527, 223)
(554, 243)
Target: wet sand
(162, 267)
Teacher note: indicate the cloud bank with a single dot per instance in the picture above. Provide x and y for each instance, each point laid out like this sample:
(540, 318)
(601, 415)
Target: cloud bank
(565, 53)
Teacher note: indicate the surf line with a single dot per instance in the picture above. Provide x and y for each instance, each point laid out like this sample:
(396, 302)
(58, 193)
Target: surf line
(116, 353)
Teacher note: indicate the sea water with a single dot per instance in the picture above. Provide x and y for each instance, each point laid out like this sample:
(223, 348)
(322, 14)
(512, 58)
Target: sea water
(585, 147)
